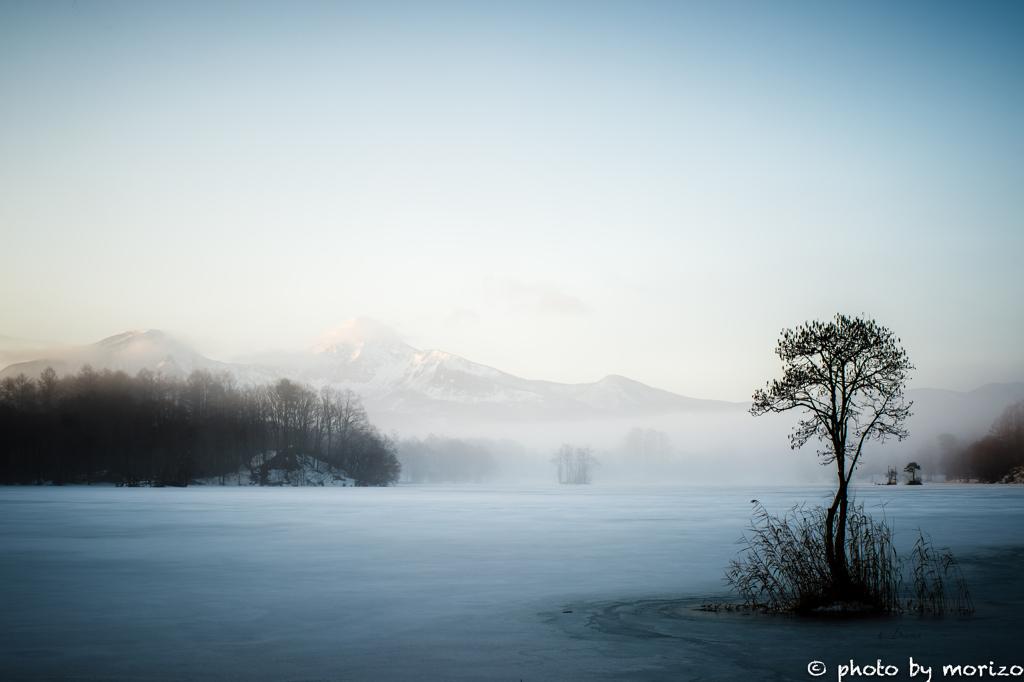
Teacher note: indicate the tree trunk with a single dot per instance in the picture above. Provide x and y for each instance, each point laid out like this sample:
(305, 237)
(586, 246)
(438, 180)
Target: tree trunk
(830, 548)
(835, 533)
(842, 575)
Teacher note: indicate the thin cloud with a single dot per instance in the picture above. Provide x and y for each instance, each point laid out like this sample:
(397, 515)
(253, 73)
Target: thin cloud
(359, 329)
(461, 316)
(536, 297)
(563, 304)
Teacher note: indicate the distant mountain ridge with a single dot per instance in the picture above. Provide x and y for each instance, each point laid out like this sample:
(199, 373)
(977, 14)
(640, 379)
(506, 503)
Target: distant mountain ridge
(389, 376)
(129, 352)
(398, 382)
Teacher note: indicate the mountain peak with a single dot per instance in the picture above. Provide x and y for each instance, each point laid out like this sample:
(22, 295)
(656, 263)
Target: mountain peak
(391, 377)
(134, 335)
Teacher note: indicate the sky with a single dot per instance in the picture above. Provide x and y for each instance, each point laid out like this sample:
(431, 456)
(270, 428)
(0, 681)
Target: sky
(559, 190)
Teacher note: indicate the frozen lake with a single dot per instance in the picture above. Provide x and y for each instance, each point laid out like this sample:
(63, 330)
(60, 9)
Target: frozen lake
(455, 582)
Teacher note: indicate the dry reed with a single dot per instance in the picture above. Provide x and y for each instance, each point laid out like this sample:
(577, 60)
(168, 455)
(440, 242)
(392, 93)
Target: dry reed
(783, 568)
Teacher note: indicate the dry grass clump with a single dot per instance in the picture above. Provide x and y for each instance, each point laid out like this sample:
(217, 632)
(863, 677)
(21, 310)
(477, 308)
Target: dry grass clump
(783, 568)
(936, 582)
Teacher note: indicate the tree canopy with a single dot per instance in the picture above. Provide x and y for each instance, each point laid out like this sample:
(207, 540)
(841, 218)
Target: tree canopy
(108, 426)
(848, 376)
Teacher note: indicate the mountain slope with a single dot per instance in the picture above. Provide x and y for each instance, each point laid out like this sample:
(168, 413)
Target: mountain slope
(390, 376)
(132, 351)
(398, 378)
(396, 381)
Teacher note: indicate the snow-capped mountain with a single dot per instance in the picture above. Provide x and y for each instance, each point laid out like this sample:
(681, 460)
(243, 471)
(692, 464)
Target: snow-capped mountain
(397, 377)
(389, 376)
(128, 352)
(399, 383)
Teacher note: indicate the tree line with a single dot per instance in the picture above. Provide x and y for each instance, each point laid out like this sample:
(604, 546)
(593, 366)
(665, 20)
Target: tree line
(437, 459)
(107, 426)
(997, 457)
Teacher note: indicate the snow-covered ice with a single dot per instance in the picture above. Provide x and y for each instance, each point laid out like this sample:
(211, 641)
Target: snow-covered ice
(454, 582)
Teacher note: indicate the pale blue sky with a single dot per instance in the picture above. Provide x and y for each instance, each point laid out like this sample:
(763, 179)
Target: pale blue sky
(562, 191)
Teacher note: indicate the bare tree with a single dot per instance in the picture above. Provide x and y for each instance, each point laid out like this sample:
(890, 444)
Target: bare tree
(351, 421)
(563, 461)
(575, 465)
(998, 457)
(327, 416)
(47, 384)
(1009, 428)
(848, 376)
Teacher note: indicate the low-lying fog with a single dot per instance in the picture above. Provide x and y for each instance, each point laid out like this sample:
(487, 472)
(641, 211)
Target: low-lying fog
(725, 446)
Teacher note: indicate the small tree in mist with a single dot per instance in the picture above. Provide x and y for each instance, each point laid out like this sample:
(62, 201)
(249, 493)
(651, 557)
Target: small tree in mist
(575, 465)
(847, 376)
(912, 469)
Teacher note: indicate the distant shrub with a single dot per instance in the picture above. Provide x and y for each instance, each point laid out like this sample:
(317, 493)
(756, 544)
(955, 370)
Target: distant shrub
(783, 568)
